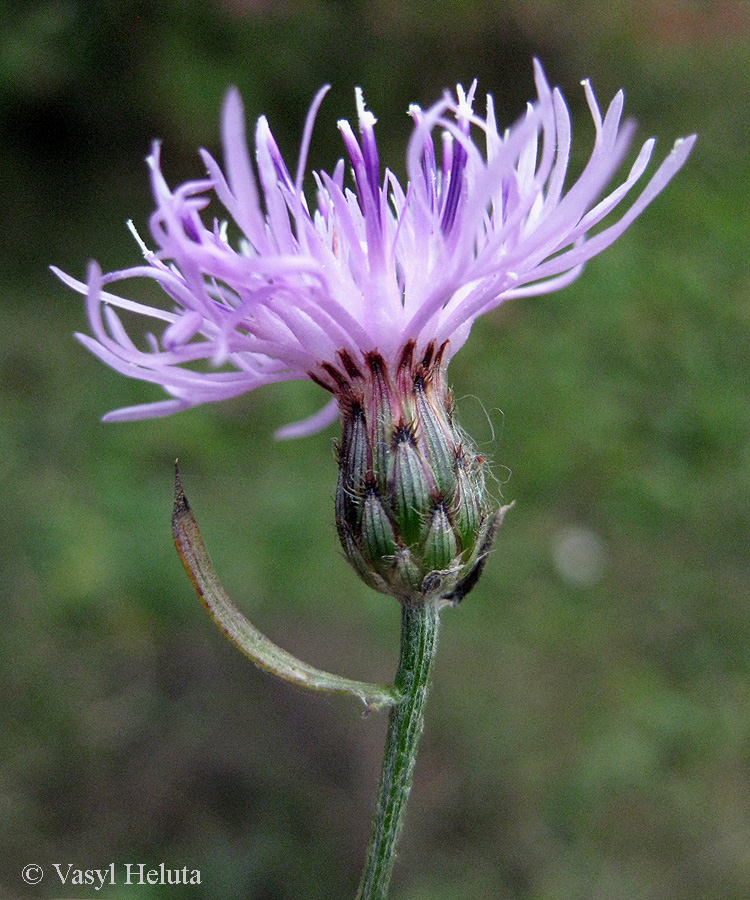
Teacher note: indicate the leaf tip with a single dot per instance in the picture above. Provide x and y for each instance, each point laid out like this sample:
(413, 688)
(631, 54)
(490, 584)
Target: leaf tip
(181, 504)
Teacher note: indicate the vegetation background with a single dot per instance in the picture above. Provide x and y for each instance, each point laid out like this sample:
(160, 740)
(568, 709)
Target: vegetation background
(588, 737)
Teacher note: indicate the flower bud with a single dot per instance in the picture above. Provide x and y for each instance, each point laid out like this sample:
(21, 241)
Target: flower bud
(411, 509)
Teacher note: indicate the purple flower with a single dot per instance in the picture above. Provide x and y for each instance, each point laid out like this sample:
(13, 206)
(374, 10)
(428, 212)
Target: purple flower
(369, 293)
(292, 288)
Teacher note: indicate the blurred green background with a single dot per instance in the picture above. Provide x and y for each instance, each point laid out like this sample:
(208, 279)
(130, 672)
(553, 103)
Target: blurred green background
(588, 737)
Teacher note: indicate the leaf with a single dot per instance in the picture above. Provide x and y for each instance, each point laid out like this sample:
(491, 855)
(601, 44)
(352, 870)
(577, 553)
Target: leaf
(241, 632)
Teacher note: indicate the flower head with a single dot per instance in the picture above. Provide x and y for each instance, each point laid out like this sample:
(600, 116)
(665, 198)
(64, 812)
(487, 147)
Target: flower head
(367, 268)
(369, 291)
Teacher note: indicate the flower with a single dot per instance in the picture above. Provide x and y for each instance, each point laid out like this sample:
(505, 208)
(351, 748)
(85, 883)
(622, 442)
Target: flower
(369, 292)
(365, 269)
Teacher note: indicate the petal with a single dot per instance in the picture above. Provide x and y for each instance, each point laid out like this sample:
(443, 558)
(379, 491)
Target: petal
(317, 422)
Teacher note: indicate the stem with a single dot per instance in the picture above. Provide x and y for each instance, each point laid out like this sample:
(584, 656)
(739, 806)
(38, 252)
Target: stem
(419, 632)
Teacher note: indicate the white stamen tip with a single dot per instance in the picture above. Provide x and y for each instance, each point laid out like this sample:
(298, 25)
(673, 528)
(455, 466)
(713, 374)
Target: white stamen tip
(139, 240)
(366, 118)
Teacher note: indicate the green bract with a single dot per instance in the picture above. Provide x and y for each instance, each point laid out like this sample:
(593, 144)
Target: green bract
(412, 510)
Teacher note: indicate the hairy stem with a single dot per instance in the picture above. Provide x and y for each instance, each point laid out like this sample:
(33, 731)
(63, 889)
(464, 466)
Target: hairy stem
(419, 632)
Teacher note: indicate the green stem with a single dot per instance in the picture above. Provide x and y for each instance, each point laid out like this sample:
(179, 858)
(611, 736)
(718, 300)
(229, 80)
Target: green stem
(419, 632)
